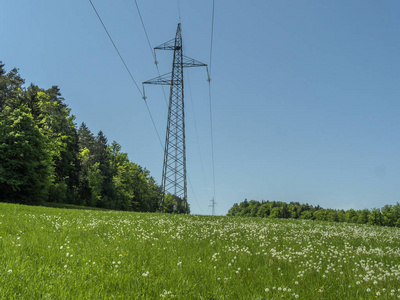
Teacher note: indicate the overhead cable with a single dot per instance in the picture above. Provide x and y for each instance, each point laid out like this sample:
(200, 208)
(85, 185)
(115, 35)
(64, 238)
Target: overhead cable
(115, 47)
(212, 137)
(209, 95)
(153, 53)
(127, 69)
(179, 10)
(197, 134)
(195, 198)
(212, 33)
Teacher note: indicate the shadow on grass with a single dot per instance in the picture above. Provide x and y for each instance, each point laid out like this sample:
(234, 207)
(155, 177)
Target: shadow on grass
(69, 206)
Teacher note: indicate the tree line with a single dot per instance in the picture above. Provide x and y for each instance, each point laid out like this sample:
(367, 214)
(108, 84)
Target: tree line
(389, 215)
(44, 157)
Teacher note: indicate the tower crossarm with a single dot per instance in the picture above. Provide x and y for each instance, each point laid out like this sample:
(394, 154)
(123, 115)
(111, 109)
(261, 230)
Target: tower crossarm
(190, 62)
(170, 45)
(165, 79)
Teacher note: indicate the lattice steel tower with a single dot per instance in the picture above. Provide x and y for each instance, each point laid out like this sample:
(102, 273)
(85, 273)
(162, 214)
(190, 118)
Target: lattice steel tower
(174, 167)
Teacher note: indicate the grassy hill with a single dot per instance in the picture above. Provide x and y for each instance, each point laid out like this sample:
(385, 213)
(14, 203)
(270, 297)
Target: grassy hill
(53, 253)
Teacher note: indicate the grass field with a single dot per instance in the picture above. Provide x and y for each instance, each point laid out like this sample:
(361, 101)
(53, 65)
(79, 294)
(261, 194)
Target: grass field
(54, 253)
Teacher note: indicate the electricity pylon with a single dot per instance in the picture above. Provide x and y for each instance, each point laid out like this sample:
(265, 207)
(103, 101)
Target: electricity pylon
(174, 167)
(212, 205)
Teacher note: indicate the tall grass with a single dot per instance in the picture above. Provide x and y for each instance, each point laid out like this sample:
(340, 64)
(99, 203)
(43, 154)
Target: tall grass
(50, 253)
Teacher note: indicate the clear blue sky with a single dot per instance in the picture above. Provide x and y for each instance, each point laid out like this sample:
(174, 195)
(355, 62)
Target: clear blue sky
(305, 93)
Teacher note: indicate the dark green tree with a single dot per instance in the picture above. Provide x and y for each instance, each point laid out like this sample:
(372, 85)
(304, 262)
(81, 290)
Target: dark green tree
(307, 215)
(87, 140)
(363, 216)
(351, 216)
(86, 145)
(102, 157)
(375, 217)
(234, 210)
(25, 165)
(263, 211)
(333, 215)
(276, 212)
(10, 87)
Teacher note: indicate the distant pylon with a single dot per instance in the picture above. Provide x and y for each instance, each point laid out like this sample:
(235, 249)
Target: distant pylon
(174, 167)
(213, 203)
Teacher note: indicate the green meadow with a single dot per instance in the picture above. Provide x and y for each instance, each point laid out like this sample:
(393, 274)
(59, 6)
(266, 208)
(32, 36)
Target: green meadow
(58, 253)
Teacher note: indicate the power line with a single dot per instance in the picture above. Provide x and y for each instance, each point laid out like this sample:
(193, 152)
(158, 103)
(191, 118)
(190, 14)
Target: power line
(209, 96)
(154, 124)
(197, 134)
(127, 69)
(153, 53)
(115, 47)
(210, 101)
(179, 10)
(144, 28)
(212, 33)
(195, 198)
(212, 137)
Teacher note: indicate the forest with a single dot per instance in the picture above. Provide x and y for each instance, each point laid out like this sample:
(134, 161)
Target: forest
(45, 157)
(389, 215)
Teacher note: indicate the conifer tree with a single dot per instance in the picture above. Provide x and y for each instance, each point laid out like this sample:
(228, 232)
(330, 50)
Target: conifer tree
(10, 87)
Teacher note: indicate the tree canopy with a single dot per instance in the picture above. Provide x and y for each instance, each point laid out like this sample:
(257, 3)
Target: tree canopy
(44, 157)
(389, 215)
